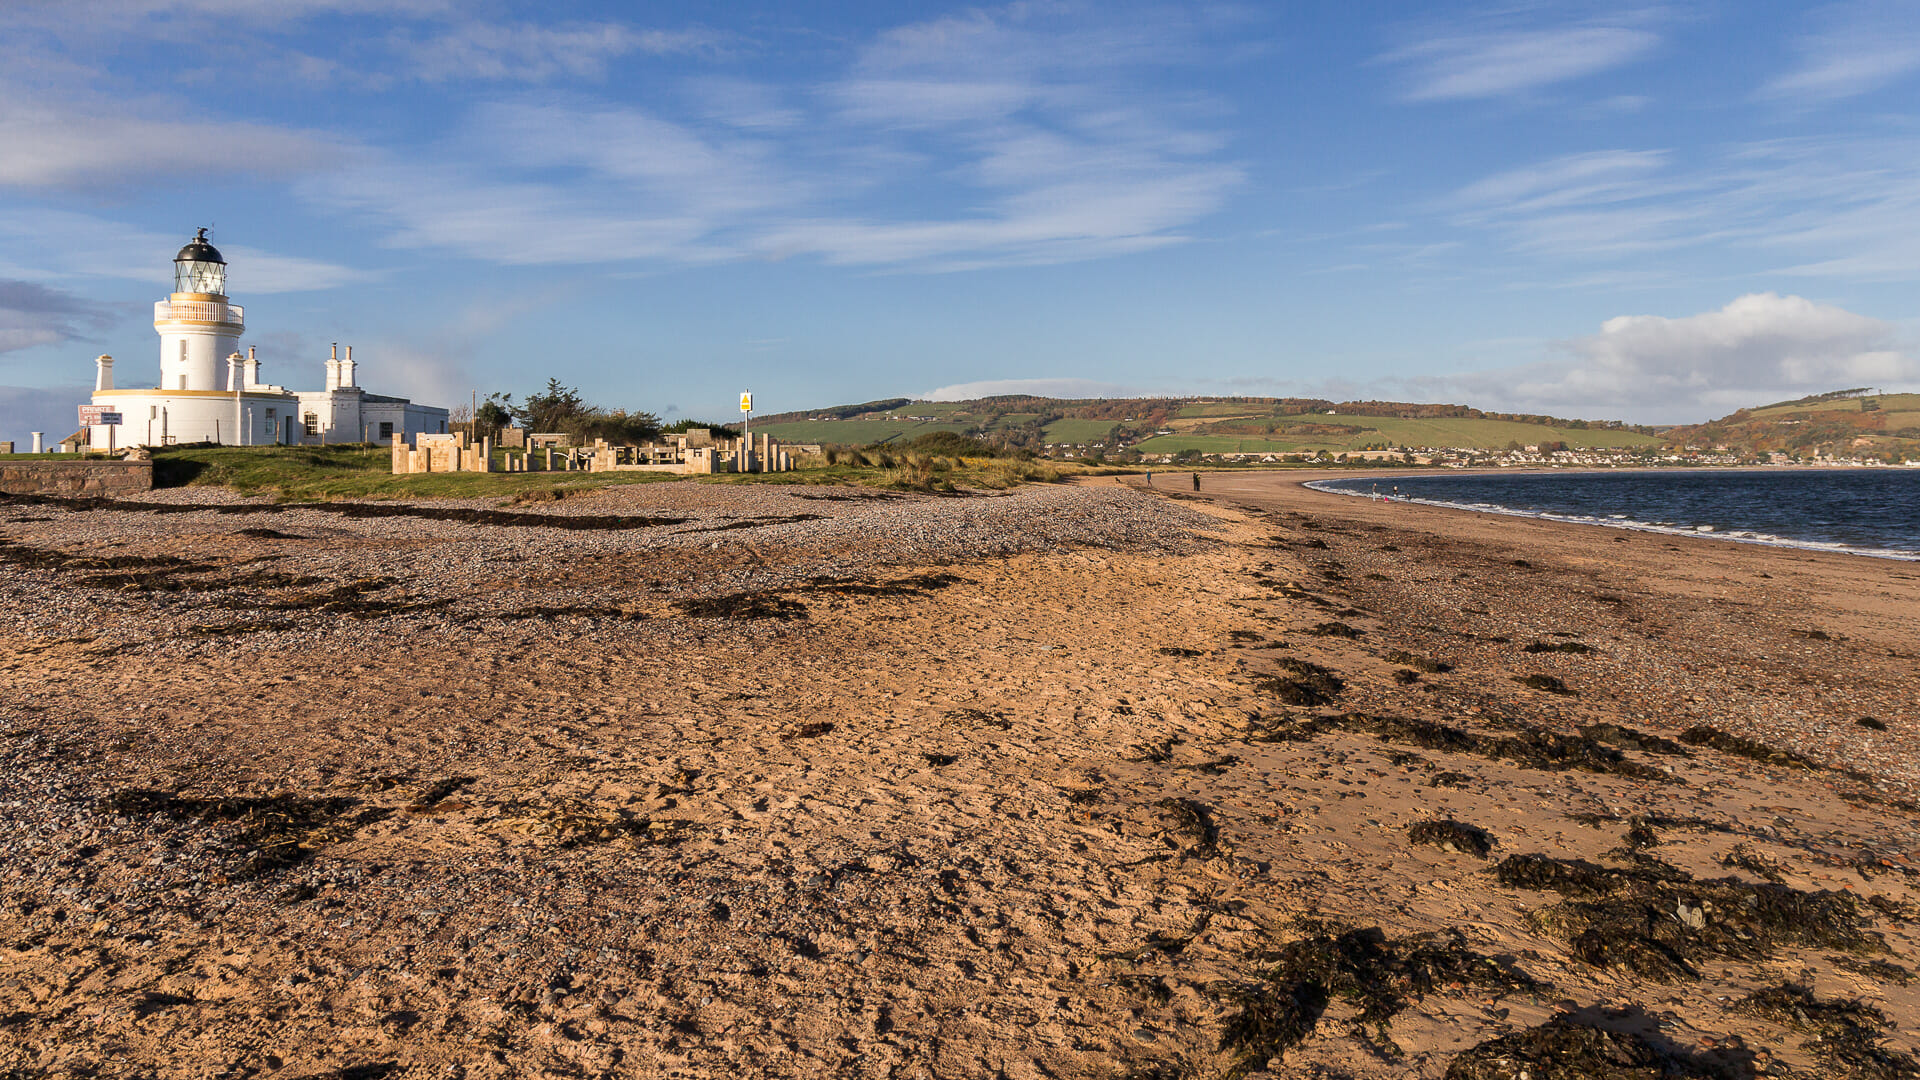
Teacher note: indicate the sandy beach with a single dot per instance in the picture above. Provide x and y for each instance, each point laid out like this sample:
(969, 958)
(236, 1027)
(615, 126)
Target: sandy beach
(1070, 781)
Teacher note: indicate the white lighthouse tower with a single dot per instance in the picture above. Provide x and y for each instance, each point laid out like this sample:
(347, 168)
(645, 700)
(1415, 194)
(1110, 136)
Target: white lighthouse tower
(198, 328)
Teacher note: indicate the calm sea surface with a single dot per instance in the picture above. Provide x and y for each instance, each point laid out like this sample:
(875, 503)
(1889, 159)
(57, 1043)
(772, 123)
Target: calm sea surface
(1862, 511)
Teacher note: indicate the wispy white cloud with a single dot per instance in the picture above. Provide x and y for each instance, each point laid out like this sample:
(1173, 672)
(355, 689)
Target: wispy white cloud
(1836, 206)
(52, 143)
(1858, 47)
(1487, 58)
(50, 245)
(1048, 149)
(1656, 369)
(1049, 387)
(527, 52)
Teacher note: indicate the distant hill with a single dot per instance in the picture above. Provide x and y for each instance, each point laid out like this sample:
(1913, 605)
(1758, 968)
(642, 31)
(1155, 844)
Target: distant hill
(1210, 425)
(1855, 423)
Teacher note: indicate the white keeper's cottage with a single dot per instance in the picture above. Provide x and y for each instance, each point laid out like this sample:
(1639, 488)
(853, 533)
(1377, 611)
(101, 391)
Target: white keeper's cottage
(209, 392)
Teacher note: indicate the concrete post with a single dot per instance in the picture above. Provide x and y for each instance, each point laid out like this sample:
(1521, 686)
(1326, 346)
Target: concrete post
(486, 444)
(37, 437)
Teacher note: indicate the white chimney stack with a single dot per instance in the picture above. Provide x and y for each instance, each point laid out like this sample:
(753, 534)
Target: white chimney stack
(103, 374)
(333, 368)
(37, 437)
(253, 368)
(234, 361)
(347, 377)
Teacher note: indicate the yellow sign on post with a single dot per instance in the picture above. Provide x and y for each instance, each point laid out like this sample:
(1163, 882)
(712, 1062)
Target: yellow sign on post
(746, 402)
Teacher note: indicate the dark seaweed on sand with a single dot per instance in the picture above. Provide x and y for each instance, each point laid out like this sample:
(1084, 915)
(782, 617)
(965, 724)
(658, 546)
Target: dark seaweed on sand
(1361, 967)
(1618, 735)
(1548, 683)
(1305, 684)
(1565, 1049)
(761, 605)
(1418, 663)
(1728, 743)
(1527, 746)
(1659, 922)
(257, 834)
(1559, 647)
(1846, 1032)
(1191, 827)
(1450, 835)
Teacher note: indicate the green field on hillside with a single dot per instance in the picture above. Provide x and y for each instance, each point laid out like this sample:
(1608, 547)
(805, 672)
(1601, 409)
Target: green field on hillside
(855, 432)
(1223, 408)
(1899, 410)
(1440, 432)
(1079, 431)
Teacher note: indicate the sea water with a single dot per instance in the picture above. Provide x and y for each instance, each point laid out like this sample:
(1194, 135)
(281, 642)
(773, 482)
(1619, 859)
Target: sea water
(1859, 511)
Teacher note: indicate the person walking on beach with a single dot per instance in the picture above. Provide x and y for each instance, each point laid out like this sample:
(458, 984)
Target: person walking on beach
(1196, 481)
(1149, 477)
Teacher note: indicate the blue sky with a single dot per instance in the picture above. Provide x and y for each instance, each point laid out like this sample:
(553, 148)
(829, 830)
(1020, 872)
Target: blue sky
(1652, 213)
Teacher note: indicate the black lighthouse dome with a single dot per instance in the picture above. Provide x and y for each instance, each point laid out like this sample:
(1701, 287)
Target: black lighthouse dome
(199, 269)
(198, 250)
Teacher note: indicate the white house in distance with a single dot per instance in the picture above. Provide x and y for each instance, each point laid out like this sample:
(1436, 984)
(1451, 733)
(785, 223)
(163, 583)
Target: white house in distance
(209, 392)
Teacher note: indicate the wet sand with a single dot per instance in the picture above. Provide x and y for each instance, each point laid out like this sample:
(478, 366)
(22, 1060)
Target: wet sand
(945, 788)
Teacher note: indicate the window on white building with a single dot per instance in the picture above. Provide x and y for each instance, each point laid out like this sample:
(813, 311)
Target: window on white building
(386, 429)
(183, 382)
(313, 423)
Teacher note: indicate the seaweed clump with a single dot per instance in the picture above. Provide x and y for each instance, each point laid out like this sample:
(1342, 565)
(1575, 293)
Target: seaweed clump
(1362, 967)
(1548, 683)
(1846, 1033)
(1565, 1049)
(254, 835)
(1618, 735)
(1306, 684)
(1728, 743)
(1192, 829)
(1418, 663)
(1450, 835)
(760, 605)
(1658, 922)
(1530, 747)
(1575, 647)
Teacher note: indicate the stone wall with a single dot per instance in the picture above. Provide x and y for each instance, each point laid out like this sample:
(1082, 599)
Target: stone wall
(100, 479)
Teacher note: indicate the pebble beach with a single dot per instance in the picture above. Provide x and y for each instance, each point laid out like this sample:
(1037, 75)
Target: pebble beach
(1082, 780)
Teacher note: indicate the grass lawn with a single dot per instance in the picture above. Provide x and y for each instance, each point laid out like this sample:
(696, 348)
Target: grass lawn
(1079, 431)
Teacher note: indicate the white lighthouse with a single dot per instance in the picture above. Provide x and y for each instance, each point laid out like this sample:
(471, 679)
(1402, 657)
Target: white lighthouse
(198, 327)
(210, 392)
